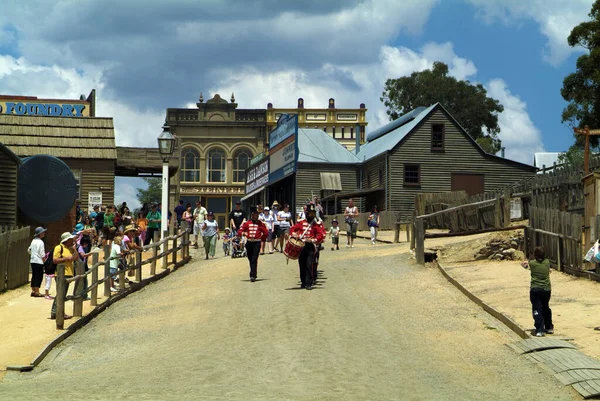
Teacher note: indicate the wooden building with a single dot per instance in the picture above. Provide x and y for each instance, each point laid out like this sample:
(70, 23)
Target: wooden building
(427, 150)
(340, 124)
(85, 144)
(217, 142)
(9, 165)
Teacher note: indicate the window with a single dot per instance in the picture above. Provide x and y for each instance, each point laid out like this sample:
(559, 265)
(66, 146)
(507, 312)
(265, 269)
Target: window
(325, 129)
(343, 132)
(190, 165)
(352, 133)
(412, 174)
(333, 132)
(437, 136)
(241, 161)
(216, 170)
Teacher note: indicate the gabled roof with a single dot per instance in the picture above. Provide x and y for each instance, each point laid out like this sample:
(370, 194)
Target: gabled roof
(61, 137)
(10, 153)
(315, 146)
(396, 134)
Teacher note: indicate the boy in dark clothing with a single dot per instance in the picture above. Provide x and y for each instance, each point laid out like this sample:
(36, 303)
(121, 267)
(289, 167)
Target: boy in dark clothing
(540, 292)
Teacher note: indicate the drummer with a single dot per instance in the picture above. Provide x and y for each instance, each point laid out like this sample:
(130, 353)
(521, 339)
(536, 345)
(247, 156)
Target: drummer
(313, 235)
(255, 231)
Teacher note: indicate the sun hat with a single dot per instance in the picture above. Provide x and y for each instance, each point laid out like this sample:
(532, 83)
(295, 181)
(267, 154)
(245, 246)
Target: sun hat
(275, 204)
(227, 229)
(79, 227)
(210, 214)
(266, 208)
(66, 236)
(130, 227)
(38, 231)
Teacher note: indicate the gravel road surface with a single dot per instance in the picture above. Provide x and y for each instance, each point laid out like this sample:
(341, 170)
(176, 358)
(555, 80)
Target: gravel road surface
(376, 327)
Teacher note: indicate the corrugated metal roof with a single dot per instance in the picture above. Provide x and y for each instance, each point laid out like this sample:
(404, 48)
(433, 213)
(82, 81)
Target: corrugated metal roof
(388, 141)
(547, 159)
(316, 146)
(62, 137)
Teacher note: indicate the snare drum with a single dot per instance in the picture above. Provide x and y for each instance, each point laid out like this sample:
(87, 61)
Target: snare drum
(293, 248)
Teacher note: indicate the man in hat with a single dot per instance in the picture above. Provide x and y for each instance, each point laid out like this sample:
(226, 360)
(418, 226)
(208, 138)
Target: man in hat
(130, 235)
(312, 234)
(64, 254)
(255, 231)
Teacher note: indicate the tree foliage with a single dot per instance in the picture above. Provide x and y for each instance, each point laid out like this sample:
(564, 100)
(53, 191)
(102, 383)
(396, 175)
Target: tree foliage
(581, 89)
(151, 194)
(468, 103)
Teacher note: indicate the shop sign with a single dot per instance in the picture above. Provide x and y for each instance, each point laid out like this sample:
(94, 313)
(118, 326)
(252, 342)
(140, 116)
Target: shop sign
(257, 158)
(43, 109)
(316, 117)
(283, 162)
(287, 126)
(212, 190)
(347, 117)
(94, 199)
(257, 176)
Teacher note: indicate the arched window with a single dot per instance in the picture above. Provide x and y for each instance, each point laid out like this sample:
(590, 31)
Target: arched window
(216, 170)
(190, 165)
(241, 161)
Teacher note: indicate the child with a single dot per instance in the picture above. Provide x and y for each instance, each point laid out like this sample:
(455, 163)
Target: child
(334, 235)
(540, 292)
(227, 241)
(50, 272)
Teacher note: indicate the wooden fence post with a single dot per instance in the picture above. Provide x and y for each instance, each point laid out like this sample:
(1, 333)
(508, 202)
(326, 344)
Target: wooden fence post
(138, 266)
(174, 258)
(107, 271)
(419, 241)
(121, 279)
(187, 244)
(153, 263)
(60, 296)
(165, 261)
(558, 262)
(396, 233)
(78, 288)
(498, 213)
(94, 294)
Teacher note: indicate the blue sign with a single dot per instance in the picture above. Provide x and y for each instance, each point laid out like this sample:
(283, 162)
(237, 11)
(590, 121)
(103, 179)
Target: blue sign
(287, 125)
(283, 161)
(42, 109)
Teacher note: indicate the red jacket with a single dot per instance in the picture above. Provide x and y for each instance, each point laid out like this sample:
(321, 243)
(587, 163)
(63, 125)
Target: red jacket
(316, 231)
(253, 230)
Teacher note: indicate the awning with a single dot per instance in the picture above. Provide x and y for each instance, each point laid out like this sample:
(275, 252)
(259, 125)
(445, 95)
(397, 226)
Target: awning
(251, 194)
(351, 194)
(331, 181)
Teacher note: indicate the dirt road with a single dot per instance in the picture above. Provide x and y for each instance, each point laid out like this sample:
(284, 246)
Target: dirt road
(377, 327)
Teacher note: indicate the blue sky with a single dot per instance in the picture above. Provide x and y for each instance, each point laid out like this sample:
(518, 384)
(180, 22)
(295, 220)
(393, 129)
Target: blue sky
(143, 56)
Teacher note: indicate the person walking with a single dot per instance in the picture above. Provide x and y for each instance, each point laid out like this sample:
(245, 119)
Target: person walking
(255, 232)
(285, 222)
(153, 218)
(312, 234)
(540, 292)
(199, 217)
(351, 214)
(109, 227)
(276, 229)
(373, 223)
(37, 257)
(210, 235)
(267, 218)
(236, 217)
(65, 254)
(179, 209)
(187, 218)
(334, 235)
(142, 224)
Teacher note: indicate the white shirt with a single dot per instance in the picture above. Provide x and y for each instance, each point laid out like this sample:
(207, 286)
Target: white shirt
(283, 215)
(268, 220)
(273, 213)
(37, 251)
(200, 214)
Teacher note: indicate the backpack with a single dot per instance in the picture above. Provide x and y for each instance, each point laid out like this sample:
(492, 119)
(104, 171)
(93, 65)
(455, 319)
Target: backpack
(49, 265)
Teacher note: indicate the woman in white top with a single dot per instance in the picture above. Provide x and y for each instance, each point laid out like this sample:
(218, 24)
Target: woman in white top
(267, 218)
(351, 214)
(285, 223)
(37, 258)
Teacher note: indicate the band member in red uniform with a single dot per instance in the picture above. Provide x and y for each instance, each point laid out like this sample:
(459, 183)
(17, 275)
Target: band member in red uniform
(313, 234)
(255, 231)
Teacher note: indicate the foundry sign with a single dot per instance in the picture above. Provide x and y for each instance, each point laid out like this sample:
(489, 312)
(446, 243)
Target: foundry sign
(44, 109)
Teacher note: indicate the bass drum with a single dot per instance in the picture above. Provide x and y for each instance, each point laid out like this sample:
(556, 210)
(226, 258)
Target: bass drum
(293, 248)
(47, 188)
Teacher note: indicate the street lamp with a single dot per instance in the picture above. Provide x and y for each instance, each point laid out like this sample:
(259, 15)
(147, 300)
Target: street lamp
(166, 147)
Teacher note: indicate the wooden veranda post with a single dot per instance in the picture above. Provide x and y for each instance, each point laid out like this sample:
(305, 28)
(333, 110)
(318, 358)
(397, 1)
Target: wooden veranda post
(419, 240)
(165, 247)
(60, 296)
(138, 266)
(94, 295)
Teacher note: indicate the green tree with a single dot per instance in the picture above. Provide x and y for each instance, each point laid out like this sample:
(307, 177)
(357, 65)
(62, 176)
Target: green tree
(468, 103)
(151, 194)
(574, 156)
(581, 89)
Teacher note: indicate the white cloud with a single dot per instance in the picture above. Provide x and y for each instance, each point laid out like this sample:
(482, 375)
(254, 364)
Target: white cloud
(556, 19)
(125, 191)
(519, 135)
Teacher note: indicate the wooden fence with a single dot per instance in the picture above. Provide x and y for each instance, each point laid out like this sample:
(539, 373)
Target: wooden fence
(171, 245)
(14, 259)
(559, 233)
(387, 220)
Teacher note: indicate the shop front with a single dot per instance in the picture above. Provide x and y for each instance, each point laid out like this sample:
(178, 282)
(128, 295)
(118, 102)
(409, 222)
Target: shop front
(216, 199)
(257, 179)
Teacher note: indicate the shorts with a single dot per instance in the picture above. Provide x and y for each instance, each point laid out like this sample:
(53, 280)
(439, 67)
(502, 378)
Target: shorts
(113, 272)
(284, 230)
(351, 229)
(198, 228)
(108, 233)
(276, 231)
(271, 236)
(335, 240)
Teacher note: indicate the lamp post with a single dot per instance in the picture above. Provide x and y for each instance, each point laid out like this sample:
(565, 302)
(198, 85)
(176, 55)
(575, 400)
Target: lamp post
(166, 147)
